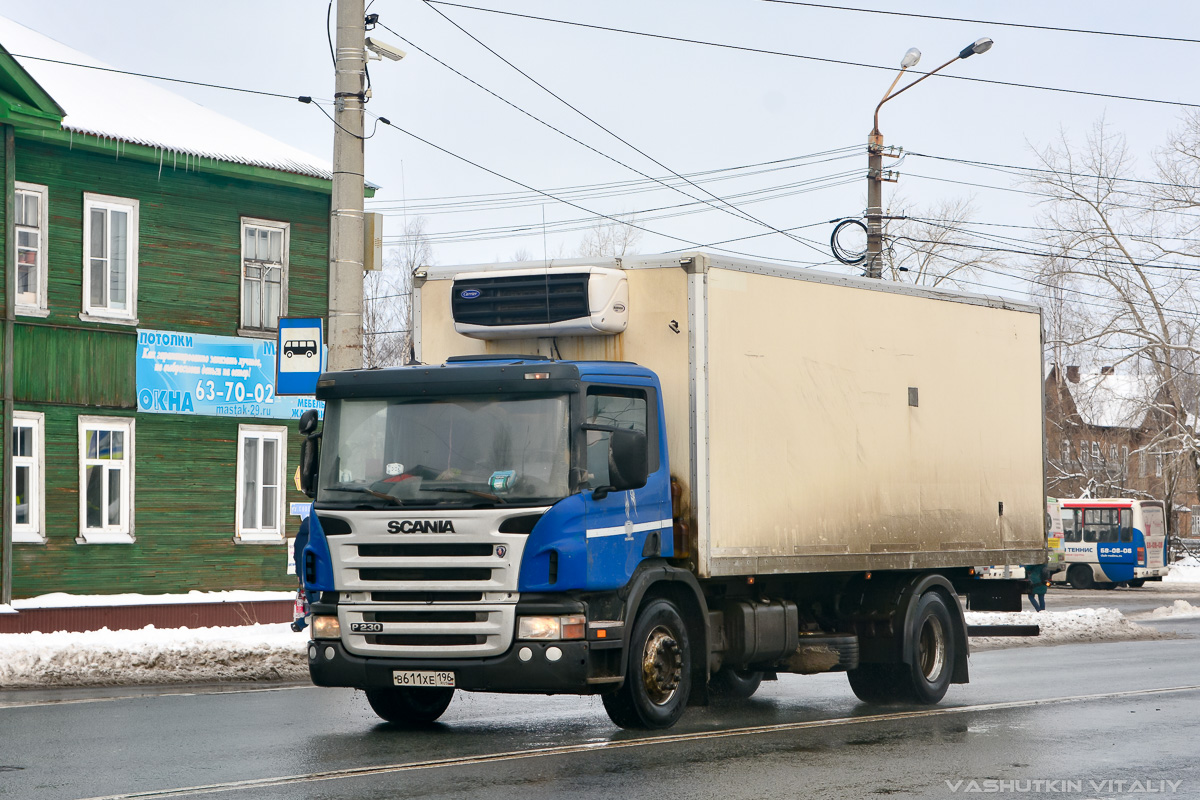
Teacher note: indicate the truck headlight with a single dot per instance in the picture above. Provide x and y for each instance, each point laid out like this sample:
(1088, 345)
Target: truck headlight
(572, 626)
(324, 627)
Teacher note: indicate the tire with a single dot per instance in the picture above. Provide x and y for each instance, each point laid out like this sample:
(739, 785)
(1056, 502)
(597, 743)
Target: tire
(287, 353)
(934, 648)
(878, 683)
(736, 684)
(658, 671)
(1080, 577)
(1137, 583)
(927, 678)
(406, 705)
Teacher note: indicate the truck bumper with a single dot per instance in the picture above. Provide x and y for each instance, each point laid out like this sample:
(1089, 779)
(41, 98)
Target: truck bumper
(330, 665)
(1150, 572)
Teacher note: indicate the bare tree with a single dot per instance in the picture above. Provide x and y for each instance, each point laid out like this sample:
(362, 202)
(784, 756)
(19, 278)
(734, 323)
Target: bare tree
(933, 247)
(1123, 253)
(387, 299)
(608, 239)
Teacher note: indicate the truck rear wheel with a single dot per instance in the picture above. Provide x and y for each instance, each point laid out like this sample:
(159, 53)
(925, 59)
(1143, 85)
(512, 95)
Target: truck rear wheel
(924, 680)
(737, 684)
(407, 705)
(1137, 583)
(658, 672)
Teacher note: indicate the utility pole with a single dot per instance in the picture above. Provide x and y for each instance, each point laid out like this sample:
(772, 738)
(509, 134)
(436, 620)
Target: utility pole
(876, 152)
(346, 207)
(875, 204)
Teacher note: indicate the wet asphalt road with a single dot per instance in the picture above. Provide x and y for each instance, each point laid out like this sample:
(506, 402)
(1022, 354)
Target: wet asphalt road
(1086, 713)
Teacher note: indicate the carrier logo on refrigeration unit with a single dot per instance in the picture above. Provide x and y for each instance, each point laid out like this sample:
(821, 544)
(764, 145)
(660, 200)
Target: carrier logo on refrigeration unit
(469, 294)
(420, 526)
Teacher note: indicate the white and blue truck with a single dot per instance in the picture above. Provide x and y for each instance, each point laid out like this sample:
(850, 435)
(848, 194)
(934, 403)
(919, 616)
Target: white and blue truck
(658, 478)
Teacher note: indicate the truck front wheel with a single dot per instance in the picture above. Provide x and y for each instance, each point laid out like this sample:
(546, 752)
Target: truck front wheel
(658, 672)
(407, 705)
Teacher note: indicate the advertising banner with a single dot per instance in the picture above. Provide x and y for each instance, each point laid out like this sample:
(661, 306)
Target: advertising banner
(216, 376)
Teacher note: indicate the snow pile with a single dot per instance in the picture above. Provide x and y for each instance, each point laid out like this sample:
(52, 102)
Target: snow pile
(1062, 627)
(1180, 608)
(1186, 570)
(152, 656)
(64, 600)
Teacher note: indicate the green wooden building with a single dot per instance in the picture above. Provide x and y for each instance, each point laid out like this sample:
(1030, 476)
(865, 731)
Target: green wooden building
(134, 221)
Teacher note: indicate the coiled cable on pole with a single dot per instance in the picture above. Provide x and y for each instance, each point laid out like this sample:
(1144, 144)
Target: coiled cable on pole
(840, 253)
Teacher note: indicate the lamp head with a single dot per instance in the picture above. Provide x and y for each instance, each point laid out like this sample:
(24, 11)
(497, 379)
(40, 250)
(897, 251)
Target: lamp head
(976, 47)
(911, 57)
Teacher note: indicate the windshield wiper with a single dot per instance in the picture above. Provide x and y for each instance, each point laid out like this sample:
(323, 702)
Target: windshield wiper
(364, 490)
(495, 498)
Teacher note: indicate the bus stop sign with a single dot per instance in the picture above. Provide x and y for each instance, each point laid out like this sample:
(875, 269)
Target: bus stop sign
(299, 355)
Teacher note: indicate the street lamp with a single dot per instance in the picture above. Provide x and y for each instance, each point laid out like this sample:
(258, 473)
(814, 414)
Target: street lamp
(875, 152)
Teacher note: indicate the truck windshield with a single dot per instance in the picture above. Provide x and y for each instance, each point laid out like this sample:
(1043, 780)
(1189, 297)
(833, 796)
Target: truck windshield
(445, 451)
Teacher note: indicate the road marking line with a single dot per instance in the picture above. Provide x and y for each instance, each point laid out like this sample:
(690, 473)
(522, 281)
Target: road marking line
(585, 747)
(200, 693)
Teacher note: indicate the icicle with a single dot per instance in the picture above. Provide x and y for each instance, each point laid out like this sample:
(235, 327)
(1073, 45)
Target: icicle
(160, 160)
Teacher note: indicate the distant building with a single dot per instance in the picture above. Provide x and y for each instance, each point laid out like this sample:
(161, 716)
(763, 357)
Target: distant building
(1105, 438)
(154, 246)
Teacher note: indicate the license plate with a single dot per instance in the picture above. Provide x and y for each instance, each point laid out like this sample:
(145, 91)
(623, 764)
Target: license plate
(410, 678)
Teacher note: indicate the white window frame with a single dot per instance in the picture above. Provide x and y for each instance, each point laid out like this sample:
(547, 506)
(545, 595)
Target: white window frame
(33, 532)
(1083, 451)
(104, 313)
(257, 535)
(1096, 453)
(40, 307)
(286, 229)
(122, 533)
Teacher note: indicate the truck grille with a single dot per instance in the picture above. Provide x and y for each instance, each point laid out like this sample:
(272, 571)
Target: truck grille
(431, 595)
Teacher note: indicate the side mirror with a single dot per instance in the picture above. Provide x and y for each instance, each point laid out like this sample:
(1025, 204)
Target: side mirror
(310, 452)
(627, 457)
(310, 456)
(308, 422)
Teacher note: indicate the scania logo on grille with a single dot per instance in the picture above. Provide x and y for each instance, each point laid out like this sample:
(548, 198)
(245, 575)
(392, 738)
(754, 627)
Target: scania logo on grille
(420, 526)
(501, 551)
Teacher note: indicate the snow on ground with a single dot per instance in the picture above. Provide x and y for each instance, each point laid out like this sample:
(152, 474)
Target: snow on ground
(1062, 627)
(64, 600)
(1186, 570)
(152, 656)
(1180, 608)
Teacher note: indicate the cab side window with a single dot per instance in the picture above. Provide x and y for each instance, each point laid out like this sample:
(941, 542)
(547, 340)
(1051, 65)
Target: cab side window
(618, 408)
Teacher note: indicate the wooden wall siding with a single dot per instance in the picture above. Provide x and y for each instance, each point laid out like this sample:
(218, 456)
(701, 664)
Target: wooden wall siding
(188, 280)
(190, 236)
(185, 488)
(55, 364)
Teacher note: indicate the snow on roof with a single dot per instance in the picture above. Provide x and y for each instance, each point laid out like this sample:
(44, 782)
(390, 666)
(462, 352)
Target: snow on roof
(1112, 401)
(138, 111)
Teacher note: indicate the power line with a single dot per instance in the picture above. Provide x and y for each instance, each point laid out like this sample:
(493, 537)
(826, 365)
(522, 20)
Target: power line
(527, 187)
(1046, 170)
(729, 207)
(160, 77)
(511, 200)
(988, 22)
(763, 51)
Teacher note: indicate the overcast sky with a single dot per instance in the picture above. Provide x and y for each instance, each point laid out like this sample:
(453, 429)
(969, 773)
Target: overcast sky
(693, 108)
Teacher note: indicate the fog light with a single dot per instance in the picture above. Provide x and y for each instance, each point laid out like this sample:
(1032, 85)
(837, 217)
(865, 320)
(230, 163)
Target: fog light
(553, 654)
(326, 628)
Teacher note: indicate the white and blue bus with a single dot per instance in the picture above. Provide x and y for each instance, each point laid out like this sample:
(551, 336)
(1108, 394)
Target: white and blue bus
(1109, 542)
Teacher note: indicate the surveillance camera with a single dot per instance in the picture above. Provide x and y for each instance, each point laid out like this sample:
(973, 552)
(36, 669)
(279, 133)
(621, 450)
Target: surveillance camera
(384, 49)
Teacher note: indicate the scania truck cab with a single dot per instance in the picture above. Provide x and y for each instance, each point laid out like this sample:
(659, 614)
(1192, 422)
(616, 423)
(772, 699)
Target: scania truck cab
(761, 492)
